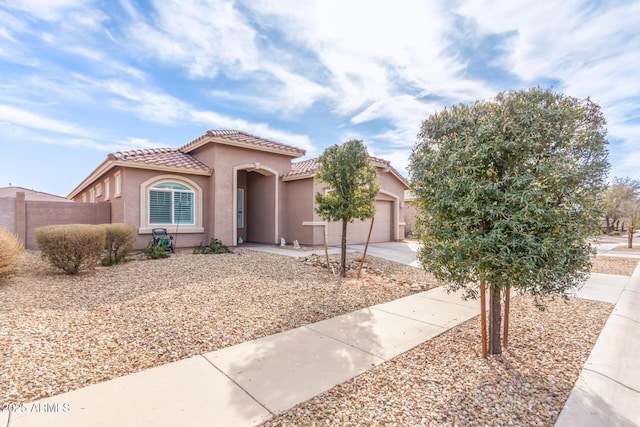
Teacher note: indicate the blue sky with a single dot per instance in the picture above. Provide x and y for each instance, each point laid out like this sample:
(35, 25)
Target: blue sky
(82, 78)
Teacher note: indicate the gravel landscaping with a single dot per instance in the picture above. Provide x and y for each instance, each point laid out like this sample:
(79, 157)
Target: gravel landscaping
(445, 382)
(59, 333)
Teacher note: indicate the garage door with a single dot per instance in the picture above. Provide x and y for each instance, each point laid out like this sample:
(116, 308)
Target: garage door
(357, 231)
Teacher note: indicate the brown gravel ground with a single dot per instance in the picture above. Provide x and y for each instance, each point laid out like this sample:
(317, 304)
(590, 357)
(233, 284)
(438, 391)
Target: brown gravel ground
(59, 333)
(444, 382)
(625, 248)
(614, 265)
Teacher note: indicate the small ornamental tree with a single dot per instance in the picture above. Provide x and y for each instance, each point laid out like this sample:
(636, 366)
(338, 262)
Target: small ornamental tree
(507, 193)
(353, 186)
(631, 215)
(617, 199)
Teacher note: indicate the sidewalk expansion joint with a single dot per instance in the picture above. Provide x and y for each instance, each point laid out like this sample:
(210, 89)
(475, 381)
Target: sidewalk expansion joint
(612, 379)
(626, 317)
(238, 385)
(444, 328)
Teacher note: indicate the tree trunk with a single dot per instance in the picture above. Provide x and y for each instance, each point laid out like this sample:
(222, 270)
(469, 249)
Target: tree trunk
(608, 222)
(505, 331)
(494, 320)
(343, 253)
(483, 316)
(630, 237)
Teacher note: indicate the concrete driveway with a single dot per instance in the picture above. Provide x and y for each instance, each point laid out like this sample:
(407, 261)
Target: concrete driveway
(403, 252)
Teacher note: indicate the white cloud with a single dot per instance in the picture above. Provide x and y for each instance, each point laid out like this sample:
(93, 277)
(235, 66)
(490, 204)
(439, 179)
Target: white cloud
(375, 50)
(149, 104)
(48, 10)
(214, 120)
(203, 36)
(20, 117)
(99, 58)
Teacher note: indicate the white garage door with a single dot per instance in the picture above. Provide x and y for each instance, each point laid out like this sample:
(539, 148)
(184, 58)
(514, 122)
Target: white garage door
(357, 231)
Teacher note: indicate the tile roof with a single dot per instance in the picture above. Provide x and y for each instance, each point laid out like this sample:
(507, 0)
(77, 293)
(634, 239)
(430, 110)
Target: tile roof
(309, 167)
(305, 167)
(242, 138)
(160, 156)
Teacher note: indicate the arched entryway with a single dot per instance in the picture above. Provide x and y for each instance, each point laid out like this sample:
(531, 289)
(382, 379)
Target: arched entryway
(255, 202)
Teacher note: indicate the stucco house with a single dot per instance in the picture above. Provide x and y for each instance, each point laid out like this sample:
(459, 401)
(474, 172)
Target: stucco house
(230, 185)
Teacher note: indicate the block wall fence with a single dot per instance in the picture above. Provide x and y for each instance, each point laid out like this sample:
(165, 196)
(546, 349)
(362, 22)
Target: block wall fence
(22, 217)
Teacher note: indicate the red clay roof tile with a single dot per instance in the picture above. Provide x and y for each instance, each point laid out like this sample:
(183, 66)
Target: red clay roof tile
(162, 157)
(244, 138)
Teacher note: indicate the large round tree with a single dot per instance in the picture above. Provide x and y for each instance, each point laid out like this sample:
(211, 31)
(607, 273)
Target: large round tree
(507, 193)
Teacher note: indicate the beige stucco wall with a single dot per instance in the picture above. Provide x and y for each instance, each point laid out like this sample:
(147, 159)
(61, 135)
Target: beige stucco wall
(126, 207)
(410, 216)
(297, 209)
(227, 161)
(273, 208)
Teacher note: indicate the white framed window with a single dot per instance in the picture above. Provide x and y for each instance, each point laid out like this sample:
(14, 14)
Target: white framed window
(171, 203)
(106, 189)
(118, 185)
(240, 208)
(84, 198)
(98, 190)
(92, 195)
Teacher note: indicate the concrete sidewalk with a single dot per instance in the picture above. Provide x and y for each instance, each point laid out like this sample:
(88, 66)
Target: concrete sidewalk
(607, 392)
(244, 385)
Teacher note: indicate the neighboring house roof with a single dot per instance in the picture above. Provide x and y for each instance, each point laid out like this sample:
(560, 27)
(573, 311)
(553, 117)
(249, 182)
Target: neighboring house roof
(10, 192)
(242, 139)
(170, 157)
(308, 169)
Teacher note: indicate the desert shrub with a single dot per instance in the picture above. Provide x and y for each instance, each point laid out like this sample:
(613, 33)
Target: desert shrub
(215, 247)
(71, 248)
(120, 239)
(153, 251)
(10, 248)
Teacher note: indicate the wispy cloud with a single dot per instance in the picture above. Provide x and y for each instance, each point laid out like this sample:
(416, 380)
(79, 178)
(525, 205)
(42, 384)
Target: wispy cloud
(219, 121)
(204, 37)
(17, 116)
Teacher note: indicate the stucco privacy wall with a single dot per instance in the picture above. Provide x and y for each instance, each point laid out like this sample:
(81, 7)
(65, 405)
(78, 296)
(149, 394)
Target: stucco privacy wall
(31, 214)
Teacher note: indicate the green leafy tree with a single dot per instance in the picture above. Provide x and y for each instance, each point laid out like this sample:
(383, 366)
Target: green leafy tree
(508, 192)
(631, 214)
(353, 186)
(617, 200)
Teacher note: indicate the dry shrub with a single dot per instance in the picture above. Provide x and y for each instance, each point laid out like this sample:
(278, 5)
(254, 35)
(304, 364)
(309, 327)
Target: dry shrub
(10, 248)
(73, 247)
(120, 239)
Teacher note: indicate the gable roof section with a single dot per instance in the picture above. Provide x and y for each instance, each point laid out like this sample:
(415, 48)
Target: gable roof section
(179, 160)
(243, 140)
(167, 157)
(159, 159)
(308, 169)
